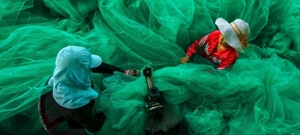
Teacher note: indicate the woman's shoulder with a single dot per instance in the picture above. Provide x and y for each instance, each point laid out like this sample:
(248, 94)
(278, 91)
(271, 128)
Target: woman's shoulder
(215, 32)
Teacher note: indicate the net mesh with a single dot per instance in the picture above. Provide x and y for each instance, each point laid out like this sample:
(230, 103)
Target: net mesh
(260, 95)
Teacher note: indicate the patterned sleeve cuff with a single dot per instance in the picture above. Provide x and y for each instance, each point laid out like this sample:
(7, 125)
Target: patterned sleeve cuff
(189, 53)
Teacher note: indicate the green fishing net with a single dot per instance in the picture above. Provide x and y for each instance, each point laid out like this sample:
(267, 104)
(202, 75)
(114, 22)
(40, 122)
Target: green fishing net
(259, 95)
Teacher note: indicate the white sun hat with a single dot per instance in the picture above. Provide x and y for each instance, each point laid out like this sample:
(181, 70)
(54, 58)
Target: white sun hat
(232, 31)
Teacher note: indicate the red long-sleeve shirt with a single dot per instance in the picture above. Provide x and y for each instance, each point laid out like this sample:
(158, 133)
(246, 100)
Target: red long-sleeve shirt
(224, 58)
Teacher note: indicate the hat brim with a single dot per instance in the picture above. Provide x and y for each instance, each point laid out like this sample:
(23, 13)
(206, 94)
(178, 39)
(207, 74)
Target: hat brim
(96, 61)
(229, 34)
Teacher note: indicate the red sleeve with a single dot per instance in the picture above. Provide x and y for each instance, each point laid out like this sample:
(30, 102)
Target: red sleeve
(228, 62)
(193, 48)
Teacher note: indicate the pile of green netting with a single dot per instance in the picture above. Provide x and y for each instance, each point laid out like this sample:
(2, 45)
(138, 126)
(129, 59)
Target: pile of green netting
(260, 95)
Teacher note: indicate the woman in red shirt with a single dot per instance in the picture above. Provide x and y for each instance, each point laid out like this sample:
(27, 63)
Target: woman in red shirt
(221, 46)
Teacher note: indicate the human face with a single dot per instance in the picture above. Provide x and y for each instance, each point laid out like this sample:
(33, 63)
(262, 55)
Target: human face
(222, 40)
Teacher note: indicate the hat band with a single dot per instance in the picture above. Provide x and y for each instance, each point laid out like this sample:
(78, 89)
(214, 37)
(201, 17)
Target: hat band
(236, 28)
(242, 38)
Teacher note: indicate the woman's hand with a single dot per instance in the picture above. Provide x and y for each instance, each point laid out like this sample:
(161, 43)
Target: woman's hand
(132, 72)
(185, 59)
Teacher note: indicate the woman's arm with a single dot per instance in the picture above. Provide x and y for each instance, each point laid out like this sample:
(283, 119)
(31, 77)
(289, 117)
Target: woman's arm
(106, 68)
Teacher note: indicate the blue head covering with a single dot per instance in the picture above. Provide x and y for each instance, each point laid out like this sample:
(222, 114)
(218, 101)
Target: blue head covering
(71, 78)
